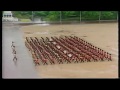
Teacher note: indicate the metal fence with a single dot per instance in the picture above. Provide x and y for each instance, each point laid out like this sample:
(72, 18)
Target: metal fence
(100, 16)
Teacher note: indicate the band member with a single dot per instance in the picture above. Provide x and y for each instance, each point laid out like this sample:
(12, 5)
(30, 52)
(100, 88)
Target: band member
(110, 59)
(12, 44)
(15, 58)
(14, 52)
(37, 61)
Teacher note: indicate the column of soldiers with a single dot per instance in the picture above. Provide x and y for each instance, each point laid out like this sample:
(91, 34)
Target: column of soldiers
(13, 51)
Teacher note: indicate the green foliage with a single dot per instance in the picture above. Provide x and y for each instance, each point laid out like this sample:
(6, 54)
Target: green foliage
(22, 14)
(53, 15)
(70, 14)
(67, 15)
(90, 15)
(107, 15)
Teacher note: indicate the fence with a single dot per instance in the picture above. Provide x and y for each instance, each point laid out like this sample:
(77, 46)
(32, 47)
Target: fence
(84, 16)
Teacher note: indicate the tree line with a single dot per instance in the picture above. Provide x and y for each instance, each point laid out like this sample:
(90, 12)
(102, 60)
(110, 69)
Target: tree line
(67, 15)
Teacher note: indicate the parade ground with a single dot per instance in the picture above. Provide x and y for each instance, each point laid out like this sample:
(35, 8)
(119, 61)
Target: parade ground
(102, 35)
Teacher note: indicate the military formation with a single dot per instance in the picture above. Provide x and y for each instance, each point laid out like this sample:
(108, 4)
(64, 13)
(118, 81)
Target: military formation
(66, 49)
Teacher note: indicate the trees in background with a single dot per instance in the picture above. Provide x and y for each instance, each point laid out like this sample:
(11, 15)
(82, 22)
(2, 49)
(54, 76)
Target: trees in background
(68, 15)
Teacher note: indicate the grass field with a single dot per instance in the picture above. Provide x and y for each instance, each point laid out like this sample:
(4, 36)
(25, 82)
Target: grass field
(25, 20)
(104, 36)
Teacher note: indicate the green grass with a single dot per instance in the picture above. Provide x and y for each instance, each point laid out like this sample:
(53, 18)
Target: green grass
(25, 20)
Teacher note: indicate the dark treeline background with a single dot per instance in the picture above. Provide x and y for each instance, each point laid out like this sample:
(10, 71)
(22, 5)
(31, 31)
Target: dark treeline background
(67, 15)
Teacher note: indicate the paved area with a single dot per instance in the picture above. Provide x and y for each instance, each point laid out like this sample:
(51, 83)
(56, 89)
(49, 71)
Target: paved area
(24, 67)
